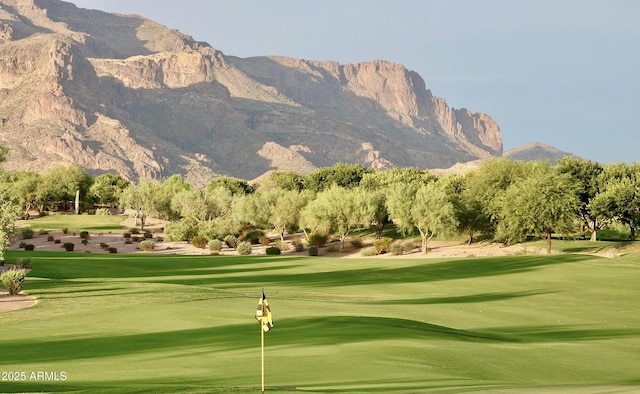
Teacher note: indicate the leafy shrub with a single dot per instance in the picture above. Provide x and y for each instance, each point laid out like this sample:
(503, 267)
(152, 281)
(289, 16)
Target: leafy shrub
(29, 247)
(298, 245)
(273, 250)
(84, 234)
(252, 236)
(103, 212)
(356, 242)
(134, 231)
(112, 249)
(244, 248)
(367, 252)
(313, 250)
(68, 246)
(199, 241)
(183, 230)
(231, 241)
(57, 241)
(147, 246)
(24, 263)
(26, 233)
(13, 280)
(264, 240)
(50, 238)
(317, 239)
(382, 245)
(215, 245)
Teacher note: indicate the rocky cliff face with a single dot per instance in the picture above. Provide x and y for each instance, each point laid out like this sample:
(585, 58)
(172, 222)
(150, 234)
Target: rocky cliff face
(125, 94)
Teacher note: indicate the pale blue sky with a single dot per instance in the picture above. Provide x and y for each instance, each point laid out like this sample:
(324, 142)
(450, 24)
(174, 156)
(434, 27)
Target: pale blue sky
(559, 72)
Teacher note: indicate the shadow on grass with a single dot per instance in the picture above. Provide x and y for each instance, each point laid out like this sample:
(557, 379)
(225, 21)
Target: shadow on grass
(473, 298)
(298, 332)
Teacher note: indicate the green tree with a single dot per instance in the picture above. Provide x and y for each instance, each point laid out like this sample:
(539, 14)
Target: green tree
(107, 188)
(542, 203)
(426, 208)
(287, 180)
(374, 209)
(468, 209)
(377, 180)
(340, 174)
(60, 184)
(619, 198)
(587, 175)
(25, 190)
(9, 213)
(235, 186)
(336, 210)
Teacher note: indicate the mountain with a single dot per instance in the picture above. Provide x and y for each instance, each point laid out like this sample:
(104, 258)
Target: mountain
(536, 151)
(122, 93)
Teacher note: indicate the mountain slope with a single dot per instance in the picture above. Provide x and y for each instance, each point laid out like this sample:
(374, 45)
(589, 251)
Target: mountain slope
(121, 93)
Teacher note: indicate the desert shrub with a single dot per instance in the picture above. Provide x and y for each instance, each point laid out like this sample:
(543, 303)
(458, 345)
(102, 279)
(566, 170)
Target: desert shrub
(128, 242)
(148, 235)
(273, 250)
(382, 245)
(408, 246)
(332, 249)
(264, 240)
(84, 234)
(283, 246)
(103, 212)
(367, 252)
(313, 250)
(199, 241)
(26, 233)
(22, 245)
(13, 280)
(29, 247)
(136, 239)
(215, 245)
(298, 245)
(127, 235)
(317, 239)
(252, 236)
(50, 238)
(68, 246)
(243, 248)
(356, 242)
(134, 231)
(65, 230)
(57, 241)
(231, 241)
(24, 263)
(42, 232)
(397, 249)
(84, 241)
(112, 249)
(147, 246)
(104, 245)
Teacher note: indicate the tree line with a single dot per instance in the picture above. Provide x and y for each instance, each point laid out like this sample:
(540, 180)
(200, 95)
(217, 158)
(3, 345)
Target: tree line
(504, 199)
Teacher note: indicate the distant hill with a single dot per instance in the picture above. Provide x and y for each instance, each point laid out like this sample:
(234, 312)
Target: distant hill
(124, 94)
(530, 152)
(536, 151)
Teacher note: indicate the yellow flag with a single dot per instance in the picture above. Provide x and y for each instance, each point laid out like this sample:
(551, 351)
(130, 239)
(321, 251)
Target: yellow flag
(263, 314)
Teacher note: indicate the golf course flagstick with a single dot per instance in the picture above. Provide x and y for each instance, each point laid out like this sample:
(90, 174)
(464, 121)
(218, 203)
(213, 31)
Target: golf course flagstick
(263, 314)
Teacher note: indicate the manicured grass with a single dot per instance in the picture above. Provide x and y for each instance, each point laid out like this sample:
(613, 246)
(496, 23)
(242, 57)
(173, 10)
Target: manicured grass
(102, 223)
(163, 323)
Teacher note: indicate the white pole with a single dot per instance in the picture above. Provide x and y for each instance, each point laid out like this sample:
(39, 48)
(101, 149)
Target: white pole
(262, 351)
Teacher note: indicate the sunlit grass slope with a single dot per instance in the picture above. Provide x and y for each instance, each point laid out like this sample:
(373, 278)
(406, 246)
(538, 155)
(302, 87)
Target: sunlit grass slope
(158, 323)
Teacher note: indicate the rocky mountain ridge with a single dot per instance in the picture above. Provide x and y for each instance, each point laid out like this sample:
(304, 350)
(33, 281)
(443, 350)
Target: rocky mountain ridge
(121, 93)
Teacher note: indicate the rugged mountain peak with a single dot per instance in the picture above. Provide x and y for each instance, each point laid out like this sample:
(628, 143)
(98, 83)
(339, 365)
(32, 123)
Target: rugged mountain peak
(124, 94)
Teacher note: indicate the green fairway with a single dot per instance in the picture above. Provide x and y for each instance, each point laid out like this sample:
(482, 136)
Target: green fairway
(167, 323)
(76, 222)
